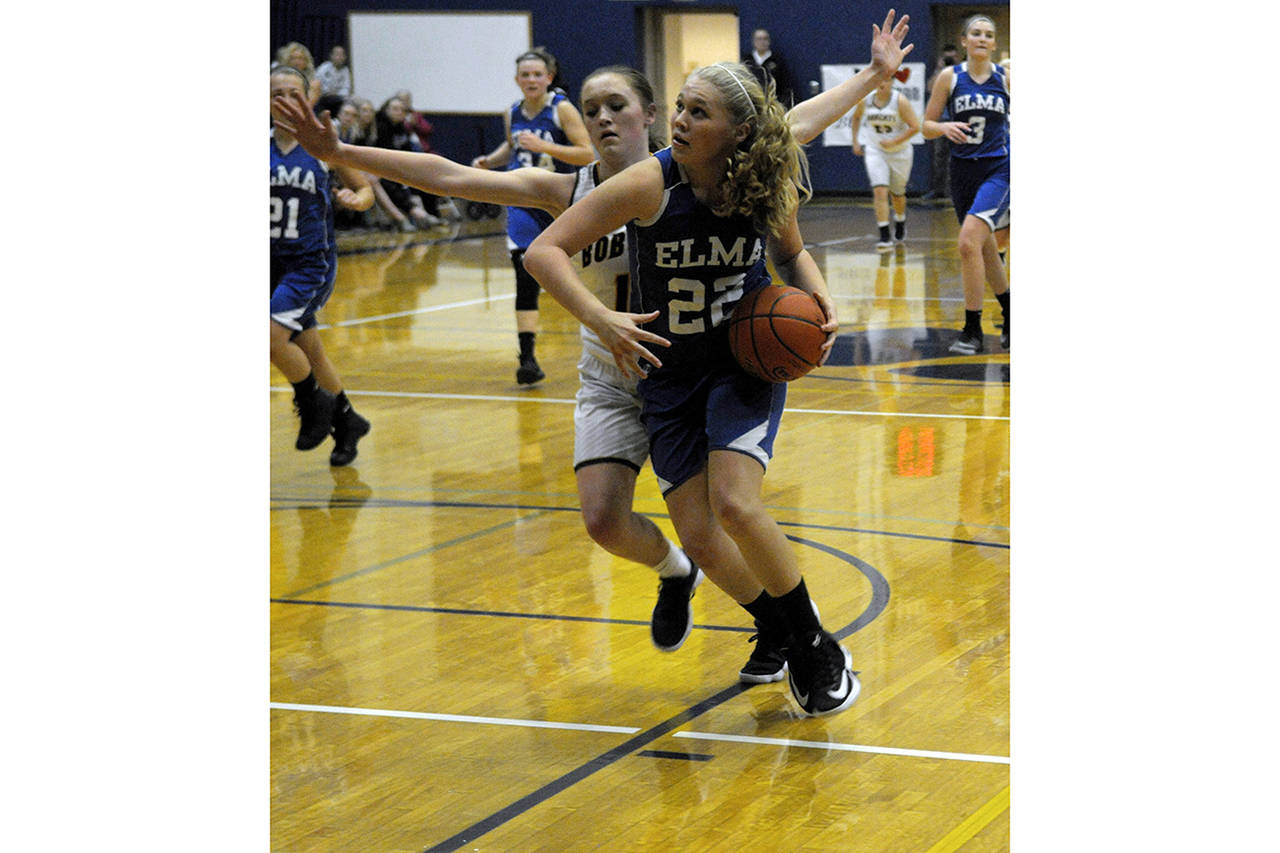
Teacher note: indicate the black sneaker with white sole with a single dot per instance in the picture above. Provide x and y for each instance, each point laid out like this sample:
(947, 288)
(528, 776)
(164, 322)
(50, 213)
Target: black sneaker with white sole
(821, 674)
(673, 614)
(969, 343)
(768, 662)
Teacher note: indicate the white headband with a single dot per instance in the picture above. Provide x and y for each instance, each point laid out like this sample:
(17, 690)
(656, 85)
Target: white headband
(740, 86)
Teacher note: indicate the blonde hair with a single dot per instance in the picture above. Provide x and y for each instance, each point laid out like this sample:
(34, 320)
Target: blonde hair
(283, 54)
(767, 175)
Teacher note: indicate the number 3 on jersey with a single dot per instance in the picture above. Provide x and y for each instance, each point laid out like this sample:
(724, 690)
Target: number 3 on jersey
(725, 288)
(277, 213)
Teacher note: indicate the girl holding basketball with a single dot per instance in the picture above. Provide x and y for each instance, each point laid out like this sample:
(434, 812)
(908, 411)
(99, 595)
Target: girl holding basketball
(977, 92)
(610, 445)
(700, 216)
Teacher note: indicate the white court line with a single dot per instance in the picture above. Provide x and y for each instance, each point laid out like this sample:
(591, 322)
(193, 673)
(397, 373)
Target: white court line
(446, 307)
(569, 402)
(846, 747)
(454, 718)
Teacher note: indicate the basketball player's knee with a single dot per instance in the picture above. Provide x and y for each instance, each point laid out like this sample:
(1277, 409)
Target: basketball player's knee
(737, 514)
(970, 245)
(526, 293)
(605, 523)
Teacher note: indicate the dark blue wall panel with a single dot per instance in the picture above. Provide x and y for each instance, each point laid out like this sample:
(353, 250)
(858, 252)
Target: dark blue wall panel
(586, 35)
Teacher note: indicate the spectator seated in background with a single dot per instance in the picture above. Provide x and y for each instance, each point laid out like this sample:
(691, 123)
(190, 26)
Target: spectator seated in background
(334, 74)
(417, 123)
(296, 55)
(348, 121)
(405, 207)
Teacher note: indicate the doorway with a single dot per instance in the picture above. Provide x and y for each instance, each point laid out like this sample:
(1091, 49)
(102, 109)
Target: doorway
(676, 42)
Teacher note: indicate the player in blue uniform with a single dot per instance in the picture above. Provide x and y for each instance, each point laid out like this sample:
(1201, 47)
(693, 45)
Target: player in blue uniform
(609, 442)
(976, 93)
(699, 226)
(304, 263)
(544, 130)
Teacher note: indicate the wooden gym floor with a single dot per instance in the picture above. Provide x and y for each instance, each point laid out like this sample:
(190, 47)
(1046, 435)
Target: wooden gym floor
(456, 666)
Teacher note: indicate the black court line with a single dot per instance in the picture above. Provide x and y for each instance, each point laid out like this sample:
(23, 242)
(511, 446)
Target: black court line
(507, 614)
(682, 756)
(948, 539)
(879, 601)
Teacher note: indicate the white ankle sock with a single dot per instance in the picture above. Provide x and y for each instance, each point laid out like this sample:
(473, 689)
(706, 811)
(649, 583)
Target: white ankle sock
(675, 564)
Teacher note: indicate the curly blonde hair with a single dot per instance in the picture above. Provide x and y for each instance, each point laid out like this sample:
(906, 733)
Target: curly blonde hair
(767, 176)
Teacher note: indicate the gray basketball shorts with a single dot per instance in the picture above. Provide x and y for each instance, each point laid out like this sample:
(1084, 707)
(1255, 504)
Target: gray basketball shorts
(606, 417)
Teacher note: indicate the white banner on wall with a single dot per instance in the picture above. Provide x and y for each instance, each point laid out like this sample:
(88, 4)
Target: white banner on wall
(841, 133)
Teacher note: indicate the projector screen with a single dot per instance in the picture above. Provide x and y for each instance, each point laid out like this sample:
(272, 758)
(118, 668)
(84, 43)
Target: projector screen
(452, 62)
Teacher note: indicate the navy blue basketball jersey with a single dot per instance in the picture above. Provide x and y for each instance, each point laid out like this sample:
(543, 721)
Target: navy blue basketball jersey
(524, 224)
(985, 108)
(693, 267)
(301, 207)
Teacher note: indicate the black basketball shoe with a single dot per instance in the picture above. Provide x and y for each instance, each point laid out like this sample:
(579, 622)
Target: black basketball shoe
(969, 343)
(529, 372)
(768, 662)
(316, 413)
(821, 674)
(673, 615)
(348, 428)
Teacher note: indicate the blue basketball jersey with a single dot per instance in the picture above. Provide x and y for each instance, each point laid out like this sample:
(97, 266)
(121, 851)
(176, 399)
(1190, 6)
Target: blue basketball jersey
(524, 224)
(985, 108)
(301, 207)
(693, 267)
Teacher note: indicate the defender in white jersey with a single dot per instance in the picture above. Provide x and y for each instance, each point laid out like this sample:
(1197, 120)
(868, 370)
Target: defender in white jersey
(610, 444)
(884, 123)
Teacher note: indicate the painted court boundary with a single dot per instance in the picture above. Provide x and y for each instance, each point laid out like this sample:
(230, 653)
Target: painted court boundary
(830, 746)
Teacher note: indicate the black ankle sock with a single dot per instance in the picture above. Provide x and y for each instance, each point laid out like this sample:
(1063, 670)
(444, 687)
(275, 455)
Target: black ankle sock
(766, 613)
(1003, 299)
(884, 233)
(304, 388)
(342, 403)
(796, 611)
(899, 229)
(973, 321)
(526, 343)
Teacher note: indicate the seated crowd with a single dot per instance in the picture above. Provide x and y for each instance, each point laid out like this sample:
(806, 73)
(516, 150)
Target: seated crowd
(393, 125)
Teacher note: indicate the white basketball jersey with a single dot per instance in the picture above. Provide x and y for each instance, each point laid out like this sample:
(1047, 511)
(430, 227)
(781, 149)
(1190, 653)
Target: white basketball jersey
(605, 268)
(882, 123)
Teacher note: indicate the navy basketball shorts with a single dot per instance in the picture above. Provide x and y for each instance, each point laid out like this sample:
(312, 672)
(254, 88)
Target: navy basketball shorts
(687, 415)
(300, 286)
(980, 187)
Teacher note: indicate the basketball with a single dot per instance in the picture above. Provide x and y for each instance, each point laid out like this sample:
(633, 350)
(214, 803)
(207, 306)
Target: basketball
(776, 334)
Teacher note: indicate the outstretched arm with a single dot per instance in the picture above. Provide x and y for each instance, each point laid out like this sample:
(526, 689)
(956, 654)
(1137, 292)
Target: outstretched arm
(430, 172)
(811, 117)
